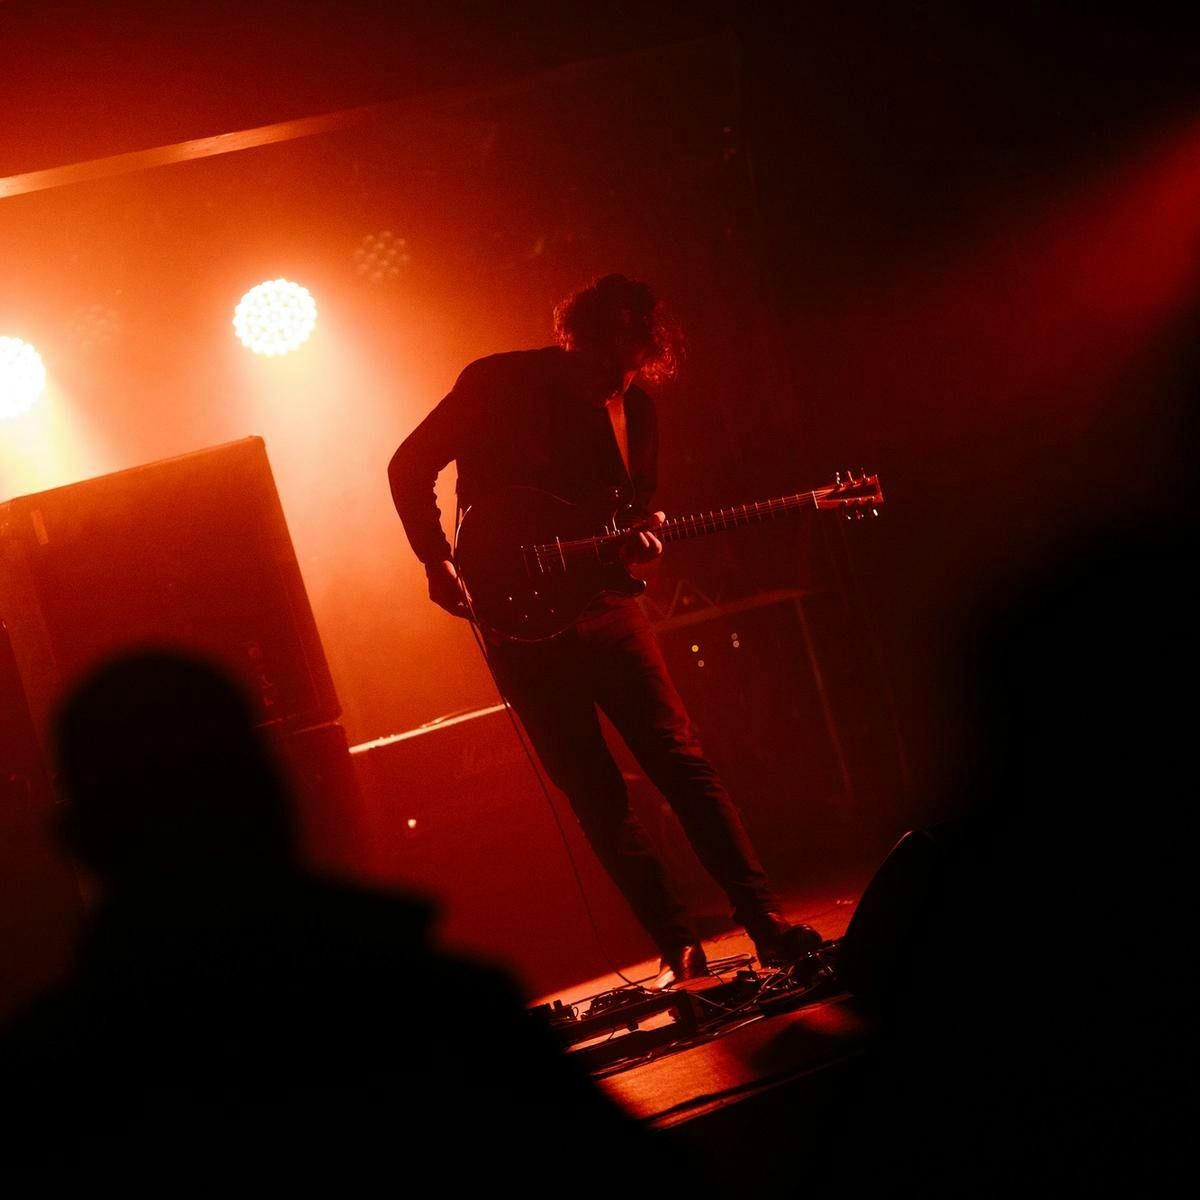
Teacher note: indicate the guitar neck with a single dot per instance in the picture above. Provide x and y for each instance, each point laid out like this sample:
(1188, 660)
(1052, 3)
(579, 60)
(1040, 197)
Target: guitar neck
(853, 494)
(699, 524)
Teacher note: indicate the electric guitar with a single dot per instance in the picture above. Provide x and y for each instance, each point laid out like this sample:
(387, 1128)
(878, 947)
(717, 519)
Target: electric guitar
(531, 563)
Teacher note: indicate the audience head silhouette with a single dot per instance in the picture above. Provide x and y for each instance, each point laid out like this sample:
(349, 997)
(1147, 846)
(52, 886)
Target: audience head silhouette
(164, 772)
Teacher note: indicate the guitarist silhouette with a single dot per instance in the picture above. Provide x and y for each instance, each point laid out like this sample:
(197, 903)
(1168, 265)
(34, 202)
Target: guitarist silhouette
(571, 420)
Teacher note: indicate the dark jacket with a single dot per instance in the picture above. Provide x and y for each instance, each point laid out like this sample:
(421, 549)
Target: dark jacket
(519, 418)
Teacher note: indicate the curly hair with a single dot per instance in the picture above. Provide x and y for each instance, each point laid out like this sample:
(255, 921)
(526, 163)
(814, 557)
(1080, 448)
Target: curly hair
(614, 309)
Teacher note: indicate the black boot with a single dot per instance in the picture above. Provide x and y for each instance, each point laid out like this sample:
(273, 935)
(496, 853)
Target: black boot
(688, 962)
(778, 942)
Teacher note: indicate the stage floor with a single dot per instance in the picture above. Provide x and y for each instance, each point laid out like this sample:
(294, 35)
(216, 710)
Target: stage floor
(747, 1059)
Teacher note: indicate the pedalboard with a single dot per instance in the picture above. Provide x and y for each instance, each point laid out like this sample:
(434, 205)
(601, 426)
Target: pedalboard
(695, 1010)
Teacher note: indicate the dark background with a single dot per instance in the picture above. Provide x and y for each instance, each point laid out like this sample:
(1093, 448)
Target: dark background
(958, 249)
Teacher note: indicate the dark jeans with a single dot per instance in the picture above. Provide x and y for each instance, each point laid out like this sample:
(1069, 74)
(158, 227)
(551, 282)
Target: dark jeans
(611, 659)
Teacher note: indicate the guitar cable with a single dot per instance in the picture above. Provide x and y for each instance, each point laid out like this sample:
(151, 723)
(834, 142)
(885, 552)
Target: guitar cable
(535, 767)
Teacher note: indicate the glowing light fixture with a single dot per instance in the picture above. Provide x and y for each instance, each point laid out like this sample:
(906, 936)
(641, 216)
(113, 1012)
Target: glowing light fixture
(22, 376)
(94, 328)
(276, 317)
(380, 256)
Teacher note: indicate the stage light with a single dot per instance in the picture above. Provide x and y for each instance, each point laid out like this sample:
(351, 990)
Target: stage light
(276, 317)
(94, 327)
(380, 256)
(22, 376)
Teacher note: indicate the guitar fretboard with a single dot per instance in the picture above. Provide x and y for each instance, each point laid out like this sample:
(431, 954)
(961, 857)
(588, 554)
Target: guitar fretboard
(698, 524)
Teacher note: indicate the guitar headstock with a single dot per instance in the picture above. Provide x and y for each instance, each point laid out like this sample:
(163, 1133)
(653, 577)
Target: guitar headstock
(855, 495)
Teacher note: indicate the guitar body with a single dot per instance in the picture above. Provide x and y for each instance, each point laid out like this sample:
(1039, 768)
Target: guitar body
(523, 585)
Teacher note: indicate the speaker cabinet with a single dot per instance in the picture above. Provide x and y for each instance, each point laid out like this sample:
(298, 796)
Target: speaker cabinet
(752, 681)
(191, 551)
(329, 805)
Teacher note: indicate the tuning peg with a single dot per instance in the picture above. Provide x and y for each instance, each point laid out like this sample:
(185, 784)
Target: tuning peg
(874, 512)
(837, 479)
